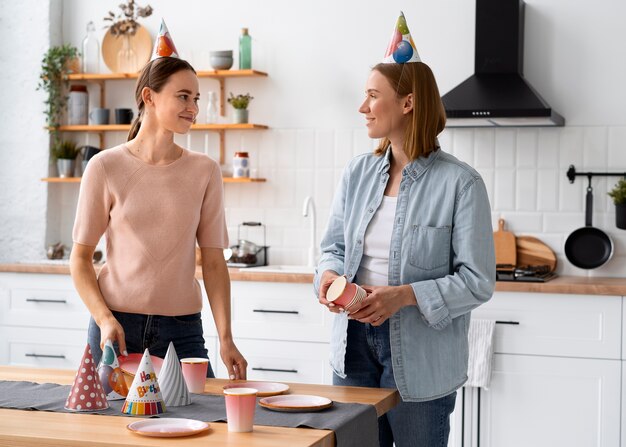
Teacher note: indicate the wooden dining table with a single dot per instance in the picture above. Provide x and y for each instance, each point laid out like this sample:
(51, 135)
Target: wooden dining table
(44, 428)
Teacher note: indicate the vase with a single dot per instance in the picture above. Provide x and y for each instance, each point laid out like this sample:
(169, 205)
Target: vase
(126, 56)
(240, 116)
(620, 216)
(65, 167)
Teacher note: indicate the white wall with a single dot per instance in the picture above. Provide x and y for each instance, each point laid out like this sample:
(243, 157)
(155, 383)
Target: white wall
(318, 55)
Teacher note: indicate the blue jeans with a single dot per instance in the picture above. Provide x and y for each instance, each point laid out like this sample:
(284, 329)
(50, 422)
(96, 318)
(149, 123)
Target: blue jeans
(155, 332)
(409, 424)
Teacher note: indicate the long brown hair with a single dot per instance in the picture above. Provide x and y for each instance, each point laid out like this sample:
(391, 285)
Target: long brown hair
(154, 75)
(428, 117)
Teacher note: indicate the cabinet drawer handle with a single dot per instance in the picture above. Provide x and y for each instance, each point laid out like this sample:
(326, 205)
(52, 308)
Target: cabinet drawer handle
(506, 322)
(294, 371)
(47, 356)
(39, 300)
(265, 311)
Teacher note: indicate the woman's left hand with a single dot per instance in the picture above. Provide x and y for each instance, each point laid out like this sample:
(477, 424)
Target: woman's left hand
(234, 361)
(382, 302)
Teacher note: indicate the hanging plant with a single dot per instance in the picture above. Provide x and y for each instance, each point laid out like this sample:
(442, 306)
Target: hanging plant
(54, 81)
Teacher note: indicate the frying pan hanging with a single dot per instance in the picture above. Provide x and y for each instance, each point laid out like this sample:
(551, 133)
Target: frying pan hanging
(588, 247)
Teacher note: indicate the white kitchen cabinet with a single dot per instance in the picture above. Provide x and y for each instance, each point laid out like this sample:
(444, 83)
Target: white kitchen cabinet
(556, 374)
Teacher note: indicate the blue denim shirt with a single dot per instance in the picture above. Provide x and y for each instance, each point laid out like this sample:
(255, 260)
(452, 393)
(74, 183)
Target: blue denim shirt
(442, 245)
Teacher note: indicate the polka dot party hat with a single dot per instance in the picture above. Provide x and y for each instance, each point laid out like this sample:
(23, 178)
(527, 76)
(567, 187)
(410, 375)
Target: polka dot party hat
(110, 374)
(87, 393)
(173, 386)
(163, 45)
(144, 395)
(401, 47)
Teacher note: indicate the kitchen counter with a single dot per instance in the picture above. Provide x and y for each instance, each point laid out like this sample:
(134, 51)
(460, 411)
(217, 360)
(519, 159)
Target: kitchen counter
(42, 428)
(573, 285)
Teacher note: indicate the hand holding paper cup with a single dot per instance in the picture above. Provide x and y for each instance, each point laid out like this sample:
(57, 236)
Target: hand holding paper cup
(345, 294)
(240, 406)
(194, 372)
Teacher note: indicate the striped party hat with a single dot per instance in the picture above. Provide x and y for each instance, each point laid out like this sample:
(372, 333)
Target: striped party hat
(173, 386)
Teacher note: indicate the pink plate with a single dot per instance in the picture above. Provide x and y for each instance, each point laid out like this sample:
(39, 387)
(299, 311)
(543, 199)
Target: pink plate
(264, 388)
(130, 362)
(167, 427)
(295, 403)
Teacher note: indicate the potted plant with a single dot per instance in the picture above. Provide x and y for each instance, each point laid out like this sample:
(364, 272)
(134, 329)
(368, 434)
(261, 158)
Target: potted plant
(618, 194)
(64, 152)
(240, 104)
(56, 64)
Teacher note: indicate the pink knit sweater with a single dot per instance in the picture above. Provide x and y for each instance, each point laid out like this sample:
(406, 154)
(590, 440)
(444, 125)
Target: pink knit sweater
(152, 217)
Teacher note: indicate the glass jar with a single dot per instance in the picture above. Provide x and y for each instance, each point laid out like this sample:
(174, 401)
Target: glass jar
(77, 105)
(211, 109)
(241, 165)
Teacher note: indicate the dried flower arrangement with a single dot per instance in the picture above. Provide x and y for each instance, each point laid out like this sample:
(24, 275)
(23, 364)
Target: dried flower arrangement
(126, 21)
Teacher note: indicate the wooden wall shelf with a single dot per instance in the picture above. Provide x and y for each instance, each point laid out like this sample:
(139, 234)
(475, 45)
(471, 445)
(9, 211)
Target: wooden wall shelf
(201, 74)
(225, 180)
(126, 127)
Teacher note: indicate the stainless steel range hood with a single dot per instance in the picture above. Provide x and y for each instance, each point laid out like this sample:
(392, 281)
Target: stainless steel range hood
(497, 93)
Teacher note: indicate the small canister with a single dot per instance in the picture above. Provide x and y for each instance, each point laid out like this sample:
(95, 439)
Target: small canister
(78, 104)
(241, 165)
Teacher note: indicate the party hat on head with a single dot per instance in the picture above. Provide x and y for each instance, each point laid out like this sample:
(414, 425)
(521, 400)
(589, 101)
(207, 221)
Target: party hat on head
(86, 393)
(110, 374)
(401, 47)
(173, 386)
(144, 396)
(164, 45)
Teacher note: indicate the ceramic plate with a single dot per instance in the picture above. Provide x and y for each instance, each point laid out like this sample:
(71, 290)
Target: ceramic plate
(295, 403)
(264, 388)
(129, 363)
(141, 42)
(167, 427)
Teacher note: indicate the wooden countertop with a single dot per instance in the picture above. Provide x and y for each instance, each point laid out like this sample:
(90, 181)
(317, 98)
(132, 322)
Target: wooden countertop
(42, 428)
(573, 285)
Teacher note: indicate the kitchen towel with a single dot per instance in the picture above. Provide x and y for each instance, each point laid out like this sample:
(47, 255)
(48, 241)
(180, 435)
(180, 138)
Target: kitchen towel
(480, 340)
(354, 424)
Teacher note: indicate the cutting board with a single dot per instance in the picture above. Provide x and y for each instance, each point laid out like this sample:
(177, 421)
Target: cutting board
(531, 251)
(504, 242)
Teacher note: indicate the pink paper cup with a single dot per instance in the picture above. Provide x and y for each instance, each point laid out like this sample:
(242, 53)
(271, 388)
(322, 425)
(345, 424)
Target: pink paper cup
(240, 406)
(345, 294)
(194, 372)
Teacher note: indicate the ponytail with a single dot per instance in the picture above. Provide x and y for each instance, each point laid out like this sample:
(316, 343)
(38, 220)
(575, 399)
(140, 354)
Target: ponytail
(134, 129)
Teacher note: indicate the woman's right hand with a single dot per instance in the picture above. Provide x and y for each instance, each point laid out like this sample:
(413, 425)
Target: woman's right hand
(111, 329)
(327, 279)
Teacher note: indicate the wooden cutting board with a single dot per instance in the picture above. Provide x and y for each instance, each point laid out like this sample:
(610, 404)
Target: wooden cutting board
(531, 251)
(505, 246)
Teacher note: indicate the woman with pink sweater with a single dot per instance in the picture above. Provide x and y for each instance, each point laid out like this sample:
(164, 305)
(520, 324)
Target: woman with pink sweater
(154, 201)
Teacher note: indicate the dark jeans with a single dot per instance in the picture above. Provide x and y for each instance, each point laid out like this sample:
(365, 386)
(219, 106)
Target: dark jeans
(155, 332)
(409, 424)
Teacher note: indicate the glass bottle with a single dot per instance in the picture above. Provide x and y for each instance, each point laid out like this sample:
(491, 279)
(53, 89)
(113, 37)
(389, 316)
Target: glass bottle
(126, 56)
(91, 51)
(245, 50)
(211, 109)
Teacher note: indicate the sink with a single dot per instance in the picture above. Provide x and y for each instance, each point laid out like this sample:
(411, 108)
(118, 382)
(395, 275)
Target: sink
(281, 269)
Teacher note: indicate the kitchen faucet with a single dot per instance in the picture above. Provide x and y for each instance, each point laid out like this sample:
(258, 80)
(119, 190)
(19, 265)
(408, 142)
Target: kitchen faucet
(309, 203)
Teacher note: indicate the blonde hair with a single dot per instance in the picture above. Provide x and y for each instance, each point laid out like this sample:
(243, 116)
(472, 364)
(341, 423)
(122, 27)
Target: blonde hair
(428, 117)
(154, 75)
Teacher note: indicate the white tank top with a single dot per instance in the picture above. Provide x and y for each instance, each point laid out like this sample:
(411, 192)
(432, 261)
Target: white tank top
(374, 268)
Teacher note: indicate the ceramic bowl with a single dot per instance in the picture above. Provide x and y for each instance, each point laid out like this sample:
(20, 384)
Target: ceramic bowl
(221, 60)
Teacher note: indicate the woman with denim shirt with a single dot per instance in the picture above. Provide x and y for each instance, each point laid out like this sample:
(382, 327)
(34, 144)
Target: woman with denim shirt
(412, 225)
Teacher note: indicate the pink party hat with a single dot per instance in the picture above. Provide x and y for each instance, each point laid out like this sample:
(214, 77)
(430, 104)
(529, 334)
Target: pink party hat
(87, 393)
(110, 374)
(401, 47)
(144, 396)
(164, 45)
(173, 386)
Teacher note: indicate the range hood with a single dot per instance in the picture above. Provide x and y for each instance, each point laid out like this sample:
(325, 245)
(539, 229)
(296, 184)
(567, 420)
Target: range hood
(497, 93)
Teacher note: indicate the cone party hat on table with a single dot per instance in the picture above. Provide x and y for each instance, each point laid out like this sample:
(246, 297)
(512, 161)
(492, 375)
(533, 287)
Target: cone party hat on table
(164, 45)
(173, 387)
(110, 374)
(87, 393)
(144, 395)
(401, 47)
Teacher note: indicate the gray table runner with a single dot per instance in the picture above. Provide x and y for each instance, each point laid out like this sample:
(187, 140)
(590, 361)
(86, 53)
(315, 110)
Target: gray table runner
(353, 424)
